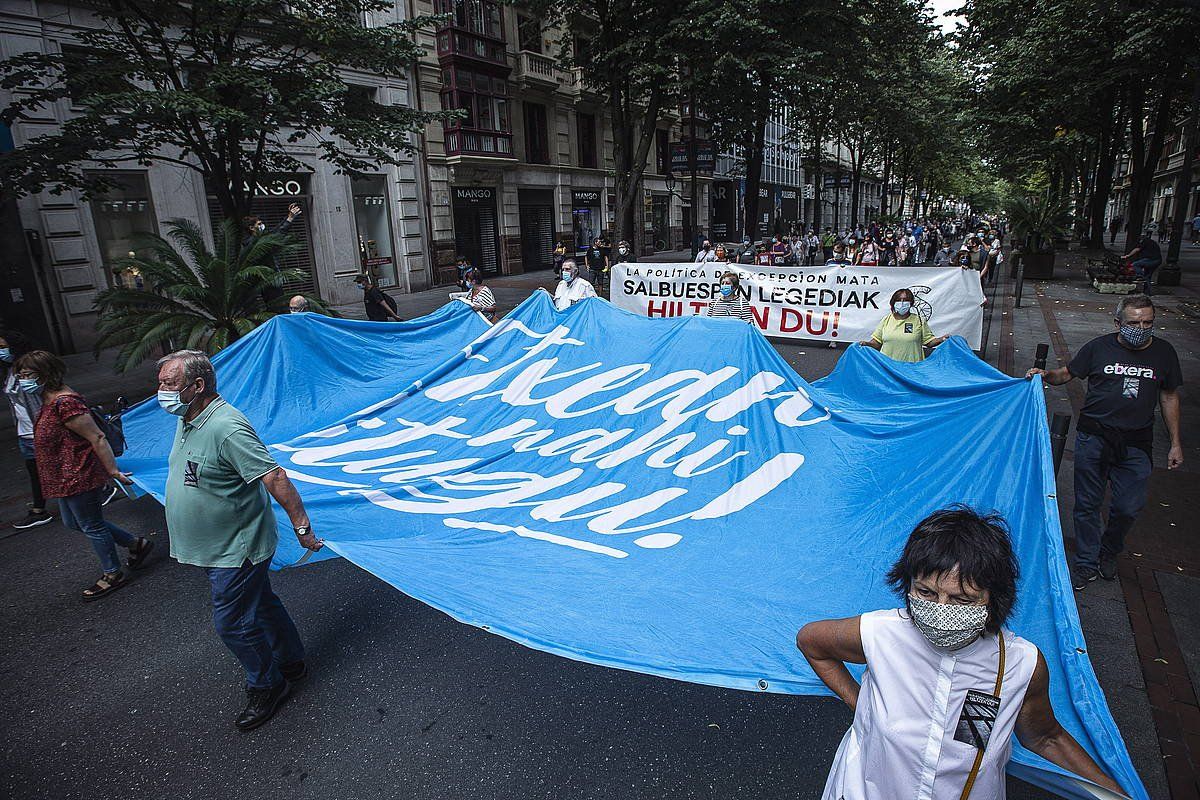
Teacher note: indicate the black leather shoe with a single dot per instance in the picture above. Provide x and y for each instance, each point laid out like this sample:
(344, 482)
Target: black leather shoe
(294, 672)
(262, 705)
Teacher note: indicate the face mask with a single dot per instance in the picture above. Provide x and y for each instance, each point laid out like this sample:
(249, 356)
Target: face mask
(947, 625)
(295, 310)
(29, 385)
(903, 307)
(568, 276)
(260, 227)
(171, 403)
(622, 250)
(726, 290)
(1136, 337)
(5, 354)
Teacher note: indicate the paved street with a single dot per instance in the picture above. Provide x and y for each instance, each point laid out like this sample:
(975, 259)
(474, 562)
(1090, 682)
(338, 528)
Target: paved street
(134, 696)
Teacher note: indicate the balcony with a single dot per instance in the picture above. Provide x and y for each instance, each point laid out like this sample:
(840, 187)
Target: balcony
(535, 69)
(454, 44)
(576, 87)
(469, 142)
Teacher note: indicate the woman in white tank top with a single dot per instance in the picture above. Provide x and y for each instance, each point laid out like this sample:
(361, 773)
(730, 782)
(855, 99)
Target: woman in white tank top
(934, 716)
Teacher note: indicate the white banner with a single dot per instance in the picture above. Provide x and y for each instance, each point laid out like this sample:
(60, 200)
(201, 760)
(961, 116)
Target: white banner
(833, 303)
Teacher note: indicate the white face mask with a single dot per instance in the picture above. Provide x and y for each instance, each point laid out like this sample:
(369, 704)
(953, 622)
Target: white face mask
(947, 625)
(172, 403)
(622, 250)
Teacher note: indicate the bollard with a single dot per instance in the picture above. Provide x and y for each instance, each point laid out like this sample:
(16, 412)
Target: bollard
(1060, 426)
(1039, 361)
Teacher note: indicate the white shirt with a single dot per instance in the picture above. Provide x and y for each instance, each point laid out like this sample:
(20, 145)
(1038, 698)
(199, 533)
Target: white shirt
(706, 255)
(568, 294)
(902, 743)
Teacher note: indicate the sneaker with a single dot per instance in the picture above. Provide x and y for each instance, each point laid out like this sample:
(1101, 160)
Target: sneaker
(261, 705)
(32, 519)
(113, 491)
(1082, 576)
(295, 672)
(1108, 566)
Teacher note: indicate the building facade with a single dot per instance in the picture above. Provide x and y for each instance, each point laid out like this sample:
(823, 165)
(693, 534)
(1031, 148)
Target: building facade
(348, 224)
(529, 162)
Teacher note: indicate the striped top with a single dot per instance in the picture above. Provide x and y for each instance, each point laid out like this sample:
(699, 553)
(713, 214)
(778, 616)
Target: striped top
(480, 298)
(735, 306)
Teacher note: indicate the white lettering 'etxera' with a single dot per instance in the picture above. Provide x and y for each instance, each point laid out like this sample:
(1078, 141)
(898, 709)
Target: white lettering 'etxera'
(1129, 370)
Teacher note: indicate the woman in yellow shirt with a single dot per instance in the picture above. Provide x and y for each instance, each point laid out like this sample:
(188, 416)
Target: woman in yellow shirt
(903, 335)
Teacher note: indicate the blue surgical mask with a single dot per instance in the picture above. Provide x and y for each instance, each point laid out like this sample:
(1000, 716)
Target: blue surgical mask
(171, 403)
(5, 354)
(726, 290)
(1136, 337)
(568, 276)
(29, 385)
(903, 307)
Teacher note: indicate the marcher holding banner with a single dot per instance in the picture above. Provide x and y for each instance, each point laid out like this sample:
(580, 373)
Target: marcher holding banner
(830, 303)
(731, 303)
(946, 684)
(903, 335)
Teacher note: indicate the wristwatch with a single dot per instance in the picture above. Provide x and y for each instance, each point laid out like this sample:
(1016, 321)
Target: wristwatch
(303, 530)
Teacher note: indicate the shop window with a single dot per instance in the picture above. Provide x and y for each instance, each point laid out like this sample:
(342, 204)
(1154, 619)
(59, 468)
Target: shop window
(373, 223)
(537, 143)
(586, 124)
(120, 216)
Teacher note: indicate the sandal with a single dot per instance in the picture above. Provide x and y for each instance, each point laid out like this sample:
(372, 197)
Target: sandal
(109, 582)
(139, 553)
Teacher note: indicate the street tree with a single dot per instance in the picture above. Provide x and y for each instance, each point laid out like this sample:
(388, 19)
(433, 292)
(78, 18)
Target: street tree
(223, 87)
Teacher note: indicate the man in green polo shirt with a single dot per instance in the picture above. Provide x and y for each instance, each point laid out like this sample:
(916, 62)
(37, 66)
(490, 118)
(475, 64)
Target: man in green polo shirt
(220, 518)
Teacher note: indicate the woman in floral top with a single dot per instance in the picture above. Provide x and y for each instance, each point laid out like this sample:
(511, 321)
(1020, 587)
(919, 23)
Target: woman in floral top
(75, 462)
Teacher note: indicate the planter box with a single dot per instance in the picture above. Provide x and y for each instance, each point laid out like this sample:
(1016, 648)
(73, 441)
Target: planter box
(1038, 266)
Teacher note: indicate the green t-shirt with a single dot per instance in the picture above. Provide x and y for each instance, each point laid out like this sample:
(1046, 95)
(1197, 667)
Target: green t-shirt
(218, 512)
(903, 339)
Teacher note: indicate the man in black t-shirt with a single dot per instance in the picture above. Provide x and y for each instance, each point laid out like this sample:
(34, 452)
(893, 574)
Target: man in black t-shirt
(1128, 373)
(596, 261)
(1147, 258)
(380, 307)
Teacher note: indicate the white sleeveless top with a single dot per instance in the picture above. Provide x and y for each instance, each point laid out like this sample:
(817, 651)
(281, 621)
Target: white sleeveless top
(902, 745)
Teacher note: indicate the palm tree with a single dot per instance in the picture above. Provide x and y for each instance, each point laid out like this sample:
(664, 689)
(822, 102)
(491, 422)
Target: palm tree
(194, 297)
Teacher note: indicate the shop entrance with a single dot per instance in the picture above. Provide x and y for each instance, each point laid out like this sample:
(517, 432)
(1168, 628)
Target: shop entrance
(537, 228)
(476, 234)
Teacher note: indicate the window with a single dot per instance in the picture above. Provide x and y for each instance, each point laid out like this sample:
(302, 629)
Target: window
(477, 16)
(374, 227)
(120, 215)
(586, 124)
(529, 33)
(537, 143)
(485, 126)
(662, 152)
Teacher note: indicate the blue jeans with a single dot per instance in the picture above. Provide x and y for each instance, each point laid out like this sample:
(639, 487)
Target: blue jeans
(1144, 268)
(253, 623)
(82, 512)
(1094, 473)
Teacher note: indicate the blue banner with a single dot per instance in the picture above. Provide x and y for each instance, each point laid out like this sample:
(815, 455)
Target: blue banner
(660, 495)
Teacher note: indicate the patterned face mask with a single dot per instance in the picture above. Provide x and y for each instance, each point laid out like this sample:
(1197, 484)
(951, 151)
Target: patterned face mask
(1136, 337)
(947, 625)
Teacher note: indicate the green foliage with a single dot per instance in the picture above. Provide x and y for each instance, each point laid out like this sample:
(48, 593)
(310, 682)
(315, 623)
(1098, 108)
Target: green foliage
(223, 87)
(1036, 221)
(194, 297)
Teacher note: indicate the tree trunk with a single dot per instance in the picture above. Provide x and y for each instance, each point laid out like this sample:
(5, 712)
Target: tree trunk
(1144, 166)
(633, 133)
(1105, 163)
(818, 181)
(754, 159)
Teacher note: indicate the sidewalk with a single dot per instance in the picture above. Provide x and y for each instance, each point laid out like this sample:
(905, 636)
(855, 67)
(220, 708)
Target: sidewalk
(1143, 630)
